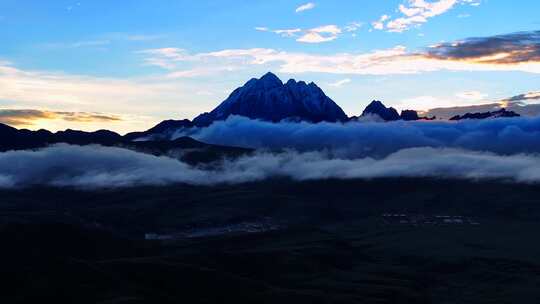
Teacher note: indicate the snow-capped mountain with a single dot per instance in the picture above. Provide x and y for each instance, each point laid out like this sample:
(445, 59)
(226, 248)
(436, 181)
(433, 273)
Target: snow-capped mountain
(268, 98)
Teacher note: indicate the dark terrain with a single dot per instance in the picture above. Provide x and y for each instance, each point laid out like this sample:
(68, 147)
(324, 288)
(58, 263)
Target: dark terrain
(185, 149)
(273, 242)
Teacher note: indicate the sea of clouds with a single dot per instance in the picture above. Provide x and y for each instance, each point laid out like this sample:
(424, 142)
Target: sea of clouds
(93, 167)
(506, 149)
(371, 139)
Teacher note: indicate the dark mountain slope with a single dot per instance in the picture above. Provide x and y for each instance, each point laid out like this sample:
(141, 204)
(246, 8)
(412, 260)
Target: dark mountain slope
(191, 150)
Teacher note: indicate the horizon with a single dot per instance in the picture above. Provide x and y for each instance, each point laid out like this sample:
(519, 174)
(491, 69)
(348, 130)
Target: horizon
(142, 63)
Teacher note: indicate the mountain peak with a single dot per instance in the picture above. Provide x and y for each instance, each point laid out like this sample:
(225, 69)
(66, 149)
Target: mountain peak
(269, 99)
(376, 103)
(291, 82)
(376, 107)
(271, 78)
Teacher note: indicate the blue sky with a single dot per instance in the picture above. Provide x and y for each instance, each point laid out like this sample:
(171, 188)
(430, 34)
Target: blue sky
(139, 62)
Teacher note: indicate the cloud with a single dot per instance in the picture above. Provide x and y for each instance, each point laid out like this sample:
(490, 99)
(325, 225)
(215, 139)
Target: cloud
(144, 37)
(288, 32)
(378, 62)
(354, 139)
(92, 167)
(305, 7)
(472, 95)
(321, 34)
(467, 55)
(282, 32)
(340, 83)
(27, 117)
(104, 40)
(79, 44)
(62, 92)
(451, 111)
(515, 48)
(379, 24)
(526, 104)
(353, 27)
(524, 97)
(166, 57)
(423, 103)
(416, 13)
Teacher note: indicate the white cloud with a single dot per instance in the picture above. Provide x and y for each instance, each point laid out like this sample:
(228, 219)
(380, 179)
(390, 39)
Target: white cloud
(144, 37)
(78, 44)
(340, 83)
(353, 26)
(305, 7)
(315, 35)
(288, 32)
(392, 61)
(379, 24)
(321, 34)
(103, 40)
(372, 139)
(533, 95)
(472, 95)
(418, 12)
(200, 71)
(93, 167)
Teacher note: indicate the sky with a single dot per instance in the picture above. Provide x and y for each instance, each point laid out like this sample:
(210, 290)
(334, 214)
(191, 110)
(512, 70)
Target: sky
(126, 65)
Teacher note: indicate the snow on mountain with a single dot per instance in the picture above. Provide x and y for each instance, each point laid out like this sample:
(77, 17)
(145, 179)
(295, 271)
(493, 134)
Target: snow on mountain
(268, 98)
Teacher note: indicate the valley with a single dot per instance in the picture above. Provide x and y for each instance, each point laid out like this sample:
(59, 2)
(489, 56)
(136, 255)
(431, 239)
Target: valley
(325, 242)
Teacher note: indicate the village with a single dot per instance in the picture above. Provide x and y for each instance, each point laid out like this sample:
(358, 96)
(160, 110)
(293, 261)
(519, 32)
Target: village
(426, 220)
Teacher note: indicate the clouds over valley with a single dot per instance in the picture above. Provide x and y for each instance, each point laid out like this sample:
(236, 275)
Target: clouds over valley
(371, 139)
(93, 167)
(505, 149)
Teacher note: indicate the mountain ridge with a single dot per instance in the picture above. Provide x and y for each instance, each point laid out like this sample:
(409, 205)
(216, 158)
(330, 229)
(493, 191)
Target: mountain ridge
(266, 98)
(485, 115)
(192, 151)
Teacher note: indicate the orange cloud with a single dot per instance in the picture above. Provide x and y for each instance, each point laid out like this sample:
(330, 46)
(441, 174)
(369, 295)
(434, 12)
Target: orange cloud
(28, 117)
(515, 48)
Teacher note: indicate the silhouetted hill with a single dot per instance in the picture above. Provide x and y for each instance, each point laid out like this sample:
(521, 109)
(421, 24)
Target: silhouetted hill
(409, 115)
(193, 151)
(495, 114)
(163, 130)
(378, 108)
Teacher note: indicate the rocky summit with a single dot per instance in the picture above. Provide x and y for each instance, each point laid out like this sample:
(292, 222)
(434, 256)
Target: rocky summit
(269, 99)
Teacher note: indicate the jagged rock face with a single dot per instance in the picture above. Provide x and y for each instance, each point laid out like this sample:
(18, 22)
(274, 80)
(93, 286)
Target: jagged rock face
(269, 99)
(496, 114)
(378, 108)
